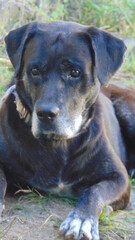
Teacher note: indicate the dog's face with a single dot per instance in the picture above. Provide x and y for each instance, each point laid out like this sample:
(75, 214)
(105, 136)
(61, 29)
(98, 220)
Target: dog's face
(59, 77)
(59, 68)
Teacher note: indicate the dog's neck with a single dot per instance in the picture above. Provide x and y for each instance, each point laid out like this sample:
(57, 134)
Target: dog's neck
(23, 112)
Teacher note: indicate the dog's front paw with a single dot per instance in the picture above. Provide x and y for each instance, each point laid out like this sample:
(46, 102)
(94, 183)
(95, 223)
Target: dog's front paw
(74, 227)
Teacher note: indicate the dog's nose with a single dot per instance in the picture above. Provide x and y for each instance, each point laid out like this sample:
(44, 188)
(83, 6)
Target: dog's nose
(45, 112)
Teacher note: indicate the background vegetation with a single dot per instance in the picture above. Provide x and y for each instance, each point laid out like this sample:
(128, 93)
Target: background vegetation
(116, 16)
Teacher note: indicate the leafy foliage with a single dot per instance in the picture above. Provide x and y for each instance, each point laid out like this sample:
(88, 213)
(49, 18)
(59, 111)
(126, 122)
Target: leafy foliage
(116, 16)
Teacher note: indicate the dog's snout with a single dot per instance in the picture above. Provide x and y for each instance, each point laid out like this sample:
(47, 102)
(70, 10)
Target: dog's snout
(45, 112)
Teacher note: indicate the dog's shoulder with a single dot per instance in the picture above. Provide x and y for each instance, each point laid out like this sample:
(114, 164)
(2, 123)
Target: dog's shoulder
(111, 127)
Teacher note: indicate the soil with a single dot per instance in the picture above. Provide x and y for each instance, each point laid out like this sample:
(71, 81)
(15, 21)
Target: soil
(31, 217)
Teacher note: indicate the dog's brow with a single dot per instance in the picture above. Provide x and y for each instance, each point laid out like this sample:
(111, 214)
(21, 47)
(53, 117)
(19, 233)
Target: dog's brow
(39, 64)
(74, 61)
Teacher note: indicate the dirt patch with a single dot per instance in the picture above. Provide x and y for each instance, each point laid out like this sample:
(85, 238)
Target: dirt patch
(31, 217)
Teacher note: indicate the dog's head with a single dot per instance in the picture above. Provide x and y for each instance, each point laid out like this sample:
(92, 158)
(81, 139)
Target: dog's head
(59, 68)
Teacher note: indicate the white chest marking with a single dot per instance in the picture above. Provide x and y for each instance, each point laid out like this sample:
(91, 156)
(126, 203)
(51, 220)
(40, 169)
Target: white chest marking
(62, 189)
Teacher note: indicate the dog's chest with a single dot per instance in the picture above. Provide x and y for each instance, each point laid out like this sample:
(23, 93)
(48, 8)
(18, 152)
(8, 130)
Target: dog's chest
(62, 188)
(56, 176)
(54, 183)
(50, 176)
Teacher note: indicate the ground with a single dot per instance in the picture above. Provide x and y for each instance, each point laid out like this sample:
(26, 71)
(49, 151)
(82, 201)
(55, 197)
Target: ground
(30, 216)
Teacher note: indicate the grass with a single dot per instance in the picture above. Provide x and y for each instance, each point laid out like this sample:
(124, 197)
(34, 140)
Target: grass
(6, 72)
(132, 178)
(117, 225)
(117, 15)
(34, 196)
(126, 74)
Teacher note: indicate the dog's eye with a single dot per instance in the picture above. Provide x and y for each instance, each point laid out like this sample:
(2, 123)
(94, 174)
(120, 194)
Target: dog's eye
(35, 72)
(75, 73)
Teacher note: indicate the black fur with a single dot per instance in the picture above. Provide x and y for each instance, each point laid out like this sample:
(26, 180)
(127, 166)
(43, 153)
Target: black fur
(71, 147)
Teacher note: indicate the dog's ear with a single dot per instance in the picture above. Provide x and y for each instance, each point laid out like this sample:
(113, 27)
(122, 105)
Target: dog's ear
(15, 44)
(109, 52)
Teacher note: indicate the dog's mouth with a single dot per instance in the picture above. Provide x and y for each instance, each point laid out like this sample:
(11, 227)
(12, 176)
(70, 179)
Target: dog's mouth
(54, 137)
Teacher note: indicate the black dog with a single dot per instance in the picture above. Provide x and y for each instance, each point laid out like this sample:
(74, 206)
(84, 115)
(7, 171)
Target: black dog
(59, 132)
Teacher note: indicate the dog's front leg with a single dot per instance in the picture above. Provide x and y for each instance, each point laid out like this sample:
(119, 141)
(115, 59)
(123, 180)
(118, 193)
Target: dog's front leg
(3, 187)
(82, 222)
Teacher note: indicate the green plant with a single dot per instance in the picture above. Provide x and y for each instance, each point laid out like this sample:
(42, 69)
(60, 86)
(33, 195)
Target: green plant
(132, 178)
(117, 225)
(6, 72)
